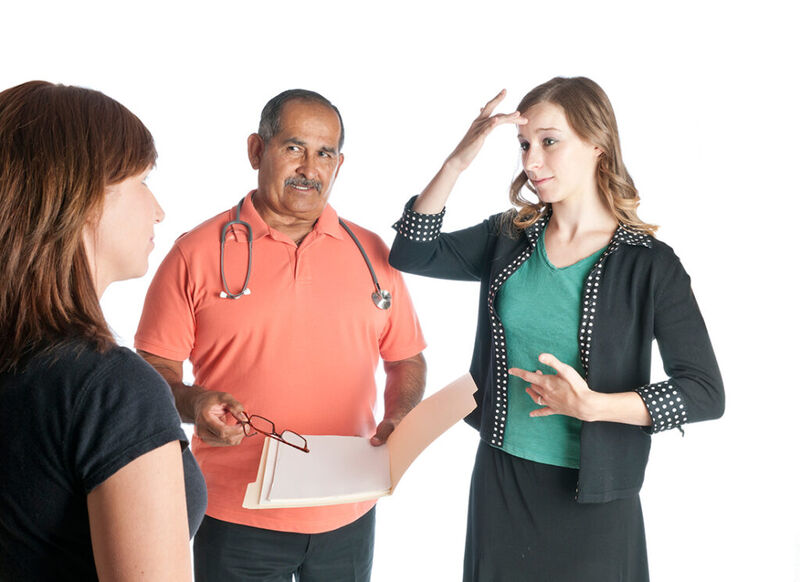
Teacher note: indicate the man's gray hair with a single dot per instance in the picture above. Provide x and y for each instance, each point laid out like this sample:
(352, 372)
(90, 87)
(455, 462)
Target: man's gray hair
(270, 123)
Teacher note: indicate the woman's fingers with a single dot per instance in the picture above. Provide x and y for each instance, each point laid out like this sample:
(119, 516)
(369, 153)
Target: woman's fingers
(564, 370)
(535, 395)
(487, 109)
(481, 127)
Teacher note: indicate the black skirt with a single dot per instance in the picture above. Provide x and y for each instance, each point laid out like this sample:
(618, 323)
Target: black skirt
(525, 525)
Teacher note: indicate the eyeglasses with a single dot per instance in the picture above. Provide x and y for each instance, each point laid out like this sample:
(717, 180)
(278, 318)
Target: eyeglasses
(258, 424)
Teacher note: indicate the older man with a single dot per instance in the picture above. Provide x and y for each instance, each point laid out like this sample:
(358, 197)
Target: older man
(289, 324)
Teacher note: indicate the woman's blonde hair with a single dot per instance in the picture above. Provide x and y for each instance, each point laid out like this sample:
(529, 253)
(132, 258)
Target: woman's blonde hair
(590, 115)
(60, 147)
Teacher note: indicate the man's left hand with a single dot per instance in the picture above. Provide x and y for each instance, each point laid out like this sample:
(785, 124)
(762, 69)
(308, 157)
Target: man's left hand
(382, 432)
(405, 383)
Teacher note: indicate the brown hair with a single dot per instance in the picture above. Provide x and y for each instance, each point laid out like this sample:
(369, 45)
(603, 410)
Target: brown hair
(60, 147)
(589, 113)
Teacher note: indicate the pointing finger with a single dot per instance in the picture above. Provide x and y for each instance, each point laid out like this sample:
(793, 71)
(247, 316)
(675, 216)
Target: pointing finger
(524, 374)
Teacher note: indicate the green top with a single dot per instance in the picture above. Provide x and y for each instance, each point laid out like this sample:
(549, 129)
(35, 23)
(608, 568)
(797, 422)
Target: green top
(539, 306)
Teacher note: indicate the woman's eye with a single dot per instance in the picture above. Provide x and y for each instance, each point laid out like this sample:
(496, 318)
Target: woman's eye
(524, 146)
(548, 141)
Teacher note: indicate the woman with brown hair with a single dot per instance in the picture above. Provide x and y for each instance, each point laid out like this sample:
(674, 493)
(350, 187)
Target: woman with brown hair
(97, 482)
(574, 288)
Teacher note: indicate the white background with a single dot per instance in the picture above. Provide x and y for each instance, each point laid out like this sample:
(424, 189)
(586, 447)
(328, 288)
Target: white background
(707, 103)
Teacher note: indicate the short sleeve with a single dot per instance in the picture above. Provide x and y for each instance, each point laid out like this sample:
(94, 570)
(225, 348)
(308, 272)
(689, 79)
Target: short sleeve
(167, 326)
(124, 410)
(402, 335)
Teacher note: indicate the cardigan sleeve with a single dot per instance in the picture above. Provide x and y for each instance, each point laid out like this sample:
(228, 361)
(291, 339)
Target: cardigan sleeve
(422, 249)
(694, 390)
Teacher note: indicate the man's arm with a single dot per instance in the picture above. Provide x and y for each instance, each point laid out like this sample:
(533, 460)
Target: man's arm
(405, 385)
(207, 409)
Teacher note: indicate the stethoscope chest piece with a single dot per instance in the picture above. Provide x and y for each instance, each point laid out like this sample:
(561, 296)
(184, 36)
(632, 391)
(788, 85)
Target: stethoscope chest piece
(382, 299)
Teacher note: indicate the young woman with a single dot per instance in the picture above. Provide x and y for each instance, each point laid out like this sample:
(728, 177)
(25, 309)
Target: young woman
(97, 482)
(574, 288)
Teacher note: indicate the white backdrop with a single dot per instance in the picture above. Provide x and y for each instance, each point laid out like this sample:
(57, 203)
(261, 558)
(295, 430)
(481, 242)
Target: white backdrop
(707, 102)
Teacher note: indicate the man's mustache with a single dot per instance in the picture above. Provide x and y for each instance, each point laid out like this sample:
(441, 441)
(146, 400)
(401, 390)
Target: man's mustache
(302, 182)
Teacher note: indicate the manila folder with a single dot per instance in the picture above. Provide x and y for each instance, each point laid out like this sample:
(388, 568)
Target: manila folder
(342, 469)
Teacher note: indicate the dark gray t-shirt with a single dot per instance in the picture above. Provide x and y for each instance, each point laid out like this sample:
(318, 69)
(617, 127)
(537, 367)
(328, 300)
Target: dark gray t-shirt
(71, 419)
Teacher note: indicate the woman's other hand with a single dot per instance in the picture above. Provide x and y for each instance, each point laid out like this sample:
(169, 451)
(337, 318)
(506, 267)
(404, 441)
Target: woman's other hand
(564, 392)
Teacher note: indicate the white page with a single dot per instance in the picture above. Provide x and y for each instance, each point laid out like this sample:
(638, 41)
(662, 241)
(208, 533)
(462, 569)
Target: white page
(336, 466)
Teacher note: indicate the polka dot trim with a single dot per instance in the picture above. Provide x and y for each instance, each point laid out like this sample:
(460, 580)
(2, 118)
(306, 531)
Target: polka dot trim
(419, 227)
(591, 288)
(622, 235)
(665, 403)
(500, 403)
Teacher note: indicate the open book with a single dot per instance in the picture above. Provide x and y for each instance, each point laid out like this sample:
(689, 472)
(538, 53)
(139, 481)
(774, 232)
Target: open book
(342, 469)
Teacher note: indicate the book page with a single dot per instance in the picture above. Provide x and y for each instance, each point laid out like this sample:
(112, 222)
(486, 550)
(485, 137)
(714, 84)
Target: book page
(336, 466)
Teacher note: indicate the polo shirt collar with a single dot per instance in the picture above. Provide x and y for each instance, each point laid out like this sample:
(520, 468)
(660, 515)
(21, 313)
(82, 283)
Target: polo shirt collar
(327, 223)
(624, 234)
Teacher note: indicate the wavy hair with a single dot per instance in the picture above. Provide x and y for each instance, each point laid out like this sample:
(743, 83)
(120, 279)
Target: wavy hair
(60, 148)
(590, 115)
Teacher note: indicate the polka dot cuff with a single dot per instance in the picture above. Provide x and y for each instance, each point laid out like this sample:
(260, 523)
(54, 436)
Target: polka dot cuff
(419, 227)
(666, 405)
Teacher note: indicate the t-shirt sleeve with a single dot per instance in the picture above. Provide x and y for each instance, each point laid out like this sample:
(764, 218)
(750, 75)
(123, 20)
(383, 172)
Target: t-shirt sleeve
(167, 325)
(402, 335)
(124, 410)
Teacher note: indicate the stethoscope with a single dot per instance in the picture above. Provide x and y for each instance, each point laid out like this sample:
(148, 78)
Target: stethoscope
(380, 297)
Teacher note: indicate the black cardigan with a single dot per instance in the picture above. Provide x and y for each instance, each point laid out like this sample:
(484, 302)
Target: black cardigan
(636, 292)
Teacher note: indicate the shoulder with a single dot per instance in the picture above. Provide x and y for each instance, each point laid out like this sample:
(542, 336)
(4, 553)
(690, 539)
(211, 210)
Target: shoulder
(118, 368)
(647, 249)
(204, 232)
(362, 232)
(371, 241)
(79, 377)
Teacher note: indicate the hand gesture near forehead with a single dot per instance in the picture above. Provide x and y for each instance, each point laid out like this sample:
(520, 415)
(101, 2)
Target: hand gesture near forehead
(472, 142)
(435, 195)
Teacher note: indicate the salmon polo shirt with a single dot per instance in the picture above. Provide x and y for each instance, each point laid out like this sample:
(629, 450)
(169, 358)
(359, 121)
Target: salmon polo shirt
(301, 349)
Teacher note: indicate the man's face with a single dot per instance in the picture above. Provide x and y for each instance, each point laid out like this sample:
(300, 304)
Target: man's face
(297, 167)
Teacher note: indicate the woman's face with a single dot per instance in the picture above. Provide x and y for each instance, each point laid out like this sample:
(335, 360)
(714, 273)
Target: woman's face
(119, 244)
(559, 164)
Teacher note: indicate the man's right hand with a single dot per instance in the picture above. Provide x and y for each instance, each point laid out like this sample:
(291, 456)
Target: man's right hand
(214, 414)
(216, 418)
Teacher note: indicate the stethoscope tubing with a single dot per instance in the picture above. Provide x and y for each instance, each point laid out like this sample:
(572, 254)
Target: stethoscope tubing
(381, 297)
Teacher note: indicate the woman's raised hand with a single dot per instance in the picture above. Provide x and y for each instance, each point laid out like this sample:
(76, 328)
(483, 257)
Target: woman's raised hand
(472, 142)
(435, 195)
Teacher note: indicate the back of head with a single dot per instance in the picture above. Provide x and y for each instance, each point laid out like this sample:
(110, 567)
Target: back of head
(270, 123)
(60, 147)
(590, 114)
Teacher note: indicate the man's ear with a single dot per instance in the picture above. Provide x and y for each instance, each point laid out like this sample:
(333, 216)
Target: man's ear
(339, 167)
(255, 147)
